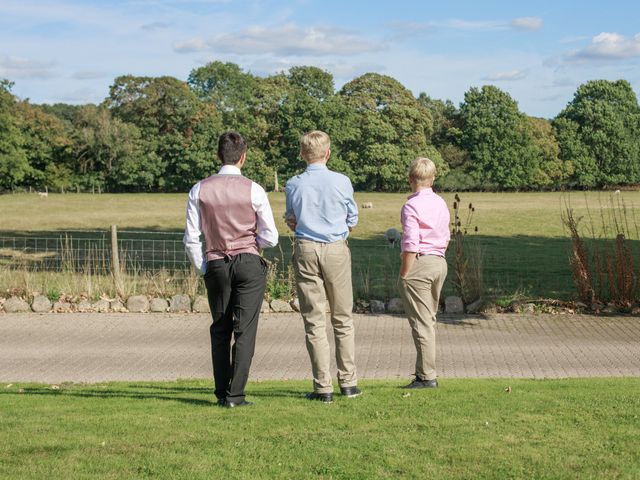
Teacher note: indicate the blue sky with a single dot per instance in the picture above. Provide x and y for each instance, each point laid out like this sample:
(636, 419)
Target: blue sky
(70, 50)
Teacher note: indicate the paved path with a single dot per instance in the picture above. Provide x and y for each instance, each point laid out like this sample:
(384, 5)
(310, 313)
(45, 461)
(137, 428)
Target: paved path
(100, 347)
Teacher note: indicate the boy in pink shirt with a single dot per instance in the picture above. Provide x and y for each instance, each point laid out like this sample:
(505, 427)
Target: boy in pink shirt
(425, 236)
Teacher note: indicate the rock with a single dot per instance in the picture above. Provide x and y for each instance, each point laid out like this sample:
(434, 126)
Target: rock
(15, 305)
(395, 306)
(61, 306)
(377, 306)
(295, 304)
(280, 306)
(138, 303)
(474, 307)
(453, 304)
(158, 305)
(528, 308)
(101, 306)
(117, 306)
(41, 304)
(201, 305)
(265, 307)
(84, 306)
(635, 311)
(180, 303)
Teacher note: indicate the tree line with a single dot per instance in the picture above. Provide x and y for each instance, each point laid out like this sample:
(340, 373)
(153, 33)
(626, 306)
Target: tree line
(159, 134)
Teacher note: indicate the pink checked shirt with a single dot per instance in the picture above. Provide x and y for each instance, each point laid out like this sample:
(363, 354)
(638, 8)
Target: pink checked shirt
(425, 224)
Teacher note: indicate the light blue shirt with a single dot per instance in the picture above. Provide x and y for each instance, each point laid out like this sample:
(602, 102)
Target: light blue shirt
(322, 202)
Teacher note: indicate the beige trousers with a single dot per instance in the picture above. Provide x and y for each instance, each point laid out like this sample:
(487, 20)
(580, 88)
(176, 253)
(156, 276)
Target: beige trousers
(420, 292)
(323, 273)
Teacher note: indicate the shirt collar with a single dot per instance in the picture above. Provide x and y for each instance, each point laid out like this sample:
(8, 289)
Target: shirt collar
(424, 191)
(229, 170)
(317, 166)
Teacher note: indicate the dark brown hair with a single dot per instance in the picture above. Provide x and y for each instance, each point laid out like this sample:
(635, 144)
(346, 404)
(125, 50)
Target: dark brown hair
(231, 146)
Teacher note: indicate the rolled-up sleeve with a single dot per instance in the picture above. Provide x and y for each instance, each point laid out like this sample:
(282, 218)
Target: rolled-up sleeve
(193, 230)
(410, 229)
(267, 231)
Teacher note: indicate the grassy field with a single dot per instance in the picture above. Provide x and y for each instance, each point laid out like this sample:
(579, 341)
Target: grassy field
(580, 428)
(520, 235)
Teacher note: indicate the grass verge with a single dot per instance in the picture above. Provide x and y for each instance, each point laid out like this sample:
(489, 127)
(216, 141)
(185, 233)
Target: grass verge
(575, 428)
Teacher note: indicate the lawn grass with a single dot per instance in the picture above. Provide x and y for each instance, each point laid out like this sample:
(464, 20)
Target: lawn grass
(573, 428)
(521, 237)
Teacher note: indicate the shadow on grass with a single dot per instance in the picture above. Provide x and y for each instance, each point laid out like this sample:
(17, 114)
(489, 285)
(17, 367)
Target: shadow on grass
(170, 394)
(151, 392)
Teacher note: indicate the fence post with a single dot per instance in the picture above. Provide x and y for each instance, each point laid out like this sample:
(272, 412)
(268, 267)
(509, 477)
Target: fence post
(115, 263)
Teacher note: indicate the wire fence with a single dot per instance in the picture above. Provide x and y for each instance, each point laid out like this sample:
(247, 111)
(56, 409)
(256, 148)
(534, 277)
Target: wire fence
(509, 265)
(90, 251)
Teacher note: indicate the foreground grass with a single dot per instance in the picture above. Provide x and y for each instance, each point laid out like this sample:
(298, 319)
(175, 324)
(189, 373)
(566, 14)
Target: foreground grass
(580, 428)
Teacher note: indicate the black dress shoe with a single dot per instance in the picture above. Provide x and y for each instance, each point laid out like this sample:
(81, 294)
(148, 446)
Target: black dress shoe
(350, 392)
(221, 402)
(243, 403)
(323, 397)
(417, 383)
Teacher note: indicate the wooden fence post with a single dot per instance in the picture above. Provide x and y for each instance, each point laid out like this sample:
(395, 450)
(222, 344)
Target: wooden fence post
(115, 263)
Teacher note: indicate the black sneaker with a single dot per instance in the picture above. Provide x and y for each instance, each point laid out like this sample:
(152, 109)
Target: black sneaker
(323, 397)
(221, 402)
(350, 392)
(417, 383)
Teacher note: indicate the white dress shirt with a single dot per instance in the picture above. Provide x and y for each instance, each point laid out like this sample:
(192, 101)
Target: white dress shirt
(267, 231)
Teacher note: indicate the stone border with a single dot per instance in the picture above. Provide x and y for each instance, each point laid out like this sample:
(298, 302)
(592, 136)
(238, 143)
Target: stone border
(182, 303)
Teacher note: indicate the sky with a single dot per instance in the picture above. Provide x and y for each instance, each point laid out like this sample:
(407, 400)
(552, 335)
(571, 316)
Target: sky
(539, 52)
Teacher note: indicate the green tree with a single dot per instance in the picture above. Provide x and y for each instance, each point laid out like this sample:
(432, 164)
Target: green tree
(496, 135)
(392, 128)
(174, 125)
(599, 132)
(46, 142)
(14, 165)
(310, 103)
(109, 153)
(551, 171)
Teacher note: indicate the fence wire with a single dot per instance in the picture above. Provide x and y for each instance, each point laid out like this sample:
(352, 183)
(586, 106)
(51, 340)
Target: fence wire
(508, 265)
(91, 252)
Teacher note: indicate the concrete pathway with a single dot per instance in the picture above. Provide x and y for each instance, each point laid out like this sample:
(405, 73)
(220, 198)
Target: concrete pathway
(101, 347)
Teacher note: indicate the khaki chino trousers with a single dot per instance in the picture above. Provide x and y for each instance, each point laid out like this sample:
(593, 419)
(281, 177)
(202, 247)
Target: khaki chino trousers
(323, 274)
(420, 291)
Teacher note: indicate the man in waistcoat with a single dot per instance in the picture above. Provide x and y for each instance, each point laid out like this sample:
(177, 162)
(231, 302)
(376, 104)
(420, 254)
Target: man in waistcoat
(234, 215)
(321, 211)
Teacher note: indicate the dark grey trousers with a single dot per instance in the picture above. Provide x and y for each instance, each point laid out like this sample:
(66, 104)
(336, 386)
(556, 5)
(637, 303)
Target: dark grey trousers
(235, 287)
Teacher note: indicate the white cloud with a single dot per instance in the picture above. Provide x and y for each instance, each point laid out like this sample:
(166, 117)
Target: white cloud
(403, 30)
(286, 40)
(510, 76)
(482, 25)
(22, 68)
(88, 75)
(608, 46)
(527, 23)
(521, 23)
(154, 26)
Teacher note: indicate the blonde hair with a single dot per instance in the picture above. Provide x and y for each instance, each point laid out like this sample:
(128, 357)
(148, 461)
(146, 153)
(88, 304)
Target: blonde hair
(422, 171)
(314, 145)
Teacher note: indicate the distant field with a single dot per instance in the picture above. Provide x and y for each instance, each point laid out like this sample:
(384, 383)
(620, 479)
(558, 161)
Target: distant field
(497, 214)
(524, 244)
